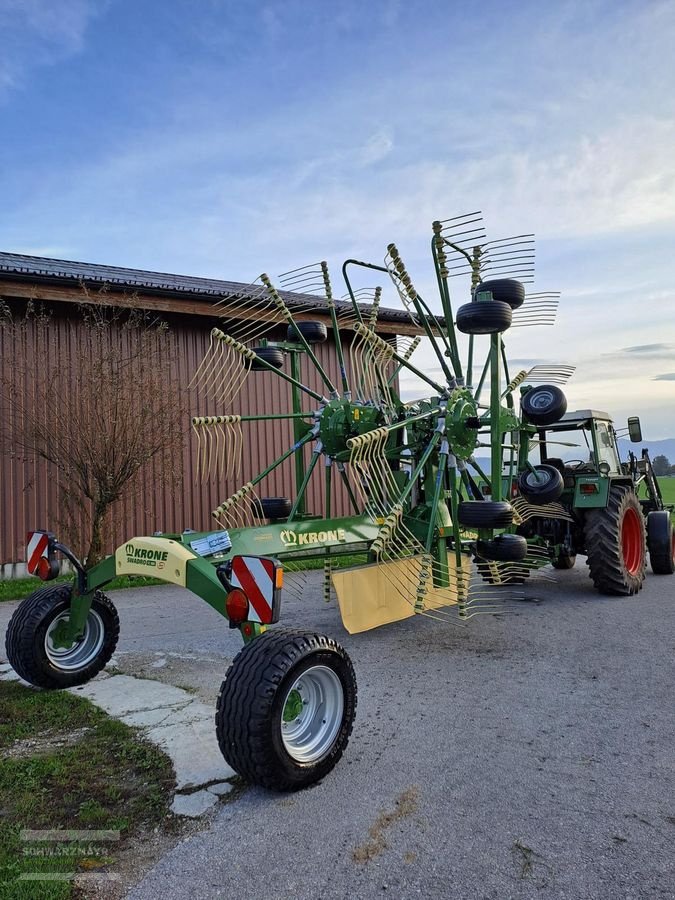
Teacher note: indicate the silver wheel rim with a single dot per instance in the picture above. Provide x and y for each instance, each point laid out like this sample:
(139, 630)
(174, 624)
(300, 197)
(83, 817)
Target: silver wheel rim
(542, 400)
(541, 479)
(83, 651)
(317, 697)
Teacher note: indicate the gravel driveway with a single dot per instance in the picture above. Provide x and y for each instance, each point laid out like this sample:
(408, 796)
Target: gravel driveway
(529, 754)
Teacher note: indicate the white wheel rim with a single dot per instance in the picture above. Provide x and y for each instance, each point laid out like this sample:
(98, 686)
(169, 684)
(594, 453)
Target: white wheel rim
(82, 652)
(312, 714)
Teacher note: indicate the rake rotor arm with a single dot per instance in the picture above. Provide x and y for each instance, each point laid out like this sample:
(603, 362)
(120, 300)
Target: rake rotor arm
(291, 380)
(316, 454)
(350, 490)
(288, 315)
(423, 312)
(247, 488)
(363, 330)
(407, 355)
(336, 329)
(365, 265)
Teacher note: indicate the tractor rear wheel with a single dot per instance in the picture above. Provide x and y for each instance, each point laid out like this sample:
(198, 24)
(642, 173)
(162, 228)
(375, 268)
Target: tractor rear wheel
(34, 652)
(615, 539)
(661, 542)
(286, 709)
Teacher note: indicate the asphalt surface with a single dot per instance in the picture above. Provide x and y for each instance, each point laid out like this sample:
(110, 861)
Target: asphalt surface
(530, 754)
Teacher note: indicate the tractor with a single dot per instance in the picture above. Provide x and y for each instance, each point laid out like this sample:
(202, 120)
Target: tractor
(589, 500)
(429, 532)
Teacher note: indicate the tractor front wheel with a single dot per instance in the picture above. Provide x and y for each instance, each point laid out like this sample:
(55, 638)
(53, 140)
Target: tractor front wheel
(32, 644)
(661, 542)
(615, 544)
(286, 709)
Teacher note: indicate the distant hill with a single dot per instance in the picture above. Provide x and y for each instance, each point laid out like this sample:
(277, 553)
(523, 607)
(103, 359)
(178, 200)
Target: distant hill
(664, 447)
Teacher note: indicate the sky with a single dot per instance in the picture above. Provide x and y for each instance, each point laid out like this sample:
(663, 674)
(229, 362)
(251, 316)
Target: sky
(225, 139)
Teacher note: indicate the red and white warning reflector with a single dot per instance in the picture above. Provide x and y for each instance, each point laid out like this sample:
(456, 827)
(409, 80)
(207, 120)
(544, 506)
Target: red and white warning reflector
(37, 546)
(260, 578)
(40, 559)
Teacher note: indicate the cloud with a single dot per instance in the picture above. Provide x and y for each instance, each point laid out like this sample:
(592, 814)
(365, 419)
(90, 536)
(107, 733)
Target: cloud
(41, 32)
(376, 148)
(667, 376)
(648, 348)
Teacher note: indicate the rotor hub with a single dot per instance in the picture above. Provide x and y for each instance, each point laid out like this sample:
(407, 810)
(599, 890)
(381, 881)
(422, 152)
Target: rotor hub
(342, 420)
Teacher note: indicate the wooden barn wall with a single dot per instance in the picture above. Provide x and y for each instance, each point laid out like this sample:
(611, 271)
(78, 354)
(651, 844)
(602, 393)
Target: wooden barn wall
(29, 491)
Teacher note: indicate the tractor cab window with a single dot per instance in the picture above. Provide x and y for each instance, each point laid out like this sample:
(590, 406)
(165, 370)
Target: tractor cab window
(606, 448)
(573, 447)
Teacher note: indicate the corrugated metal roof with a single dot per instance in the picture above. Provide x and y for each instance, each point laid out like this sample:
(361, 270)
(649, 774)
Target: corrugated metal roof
(42, 268)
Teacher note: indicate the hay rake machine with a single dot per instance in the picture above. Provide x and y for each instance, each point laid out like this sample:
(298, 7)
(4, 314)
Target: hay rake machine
(422, 508)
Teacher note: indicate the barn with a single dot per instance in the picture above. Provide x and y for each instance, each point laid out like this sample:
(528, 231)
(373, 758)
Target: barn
(28, 495)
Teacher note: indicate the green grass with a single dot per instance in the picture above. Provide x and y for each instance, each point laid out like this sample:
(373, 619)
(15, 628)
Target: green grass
(667, 486)
(18, 588)
(67, 765)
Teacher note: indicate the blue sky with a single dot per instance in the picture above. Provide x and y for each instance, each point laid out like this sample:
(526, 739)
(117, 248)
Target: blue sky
(230, 138)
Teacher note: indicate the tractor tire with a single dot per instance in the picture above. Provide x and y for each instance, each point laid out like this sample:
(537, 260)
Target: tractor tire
(313, 332)
(505, 290)
(564, 561)
(33, 655)
(548, 489)
(484, 317)
(544, 404)
(499, 573)
(485, 514)
(274, 507)
(615, 540)
(286, 709)
(661, 542)
(503, 548)
(272, 355)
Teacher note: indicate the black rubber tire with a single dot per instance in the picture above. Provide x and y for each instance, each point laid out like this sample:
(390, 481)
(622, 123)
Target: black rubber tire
(313, 332)
(25, 640)
(484, 317)
(615, 542)
(539, 492)
(272, 355)
(544, 404)
(564, 561)
(499, 573)
(485, 514)
(661, 542)
(503, 548)
(274, 507)
(506, 290)
(557, 463)
(251, 701)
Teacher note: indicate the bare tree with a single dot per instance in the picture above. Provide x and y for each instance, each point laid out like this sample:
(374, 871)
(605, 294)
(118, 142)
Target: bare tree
(98, 408)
